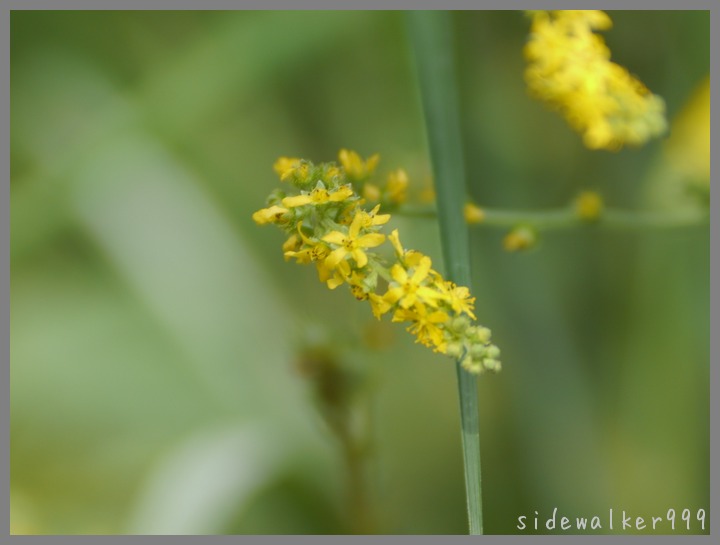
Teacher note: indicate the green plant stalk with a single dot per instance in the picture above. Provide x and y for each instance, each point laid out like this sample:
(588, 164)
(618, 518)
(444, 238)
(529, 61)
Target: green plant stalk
(567, 218)
(354, 454)
(431, 37)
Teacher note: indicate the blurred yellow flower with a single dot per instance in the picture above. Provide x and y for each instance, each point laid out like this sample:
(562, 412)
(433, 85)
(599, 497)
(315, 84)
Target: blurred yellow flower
(397, 185)
(355, 168)
(569, 68)
(473, 213)
(371, 192)
(287, 166)
(520, 238)
(688, 148)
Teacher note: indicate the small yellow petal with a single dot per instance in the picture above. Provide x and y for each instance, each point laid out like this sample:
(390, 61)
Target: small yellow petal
(291, 243)
(273, 214)
(297, 200)
(335, 237)
(341, 194)
(355, 225)
(429, 295)
(360, 257)
(394, 238)
(393, 295)
(399, 274)
(371, 192)
(408, 301)
(421, 270)
(438, 317)
(396, 187)
(381, 219)
(285, 166)
(379, 305)
(335, 257)
(371, 240)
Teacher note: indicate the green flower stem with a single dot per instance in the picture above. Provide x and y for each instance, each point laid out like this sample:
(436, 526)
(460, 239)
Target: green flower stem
(431, 37)
(566, 218)
(383, 272)
(355, 457)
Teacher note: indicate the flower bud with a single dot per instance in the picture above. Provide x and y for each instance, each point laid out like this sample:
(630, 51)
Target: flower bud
(483, 334)
(460, 324)
(492, 351)
(454, 350)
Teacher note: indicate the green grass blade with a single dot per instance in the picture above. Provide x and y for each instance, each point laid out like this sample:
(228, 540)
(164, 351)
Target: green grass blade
(431, 37)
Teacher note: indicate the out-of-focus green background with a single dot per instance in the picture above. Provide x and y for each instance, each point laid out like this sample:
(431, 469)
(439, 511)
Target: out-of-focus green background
(155, 327)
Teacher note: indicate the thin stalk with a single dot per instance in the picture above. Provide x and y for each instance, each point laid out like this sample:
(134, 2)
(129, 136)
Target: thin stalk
(431, 37)
(347, 415)
(566, 218)
(354, 455)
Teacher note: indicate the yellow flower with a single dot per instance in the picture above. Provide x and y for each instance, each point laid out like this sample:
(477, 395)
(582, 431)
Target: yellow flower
(273, 214)
(520, 238)
(379, 305)
(291, 244)
(570, 69)
(355, 168)
(424, 325)
(312, 251)
(352, 243)
(688, 148)
(409, 258)
(317, 252)
(394, 238)
(333, 276)
(410, 289)
(371, 192)
(372, 218)
(357, 287)
(396, 187)
(331, 172)
(412, 258)
(473, 213)
(438, 312)
(317, 196)
(458, 297)
(288, 166)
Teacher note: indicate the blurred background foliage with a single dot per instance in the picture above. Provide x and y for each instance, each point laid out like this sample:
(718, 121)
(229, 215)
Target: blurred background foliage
(157, 335)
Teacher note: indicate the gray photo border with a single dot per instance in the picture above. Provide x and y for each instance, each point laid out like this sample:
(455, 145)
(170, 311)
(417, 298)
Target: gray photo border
(5, 9)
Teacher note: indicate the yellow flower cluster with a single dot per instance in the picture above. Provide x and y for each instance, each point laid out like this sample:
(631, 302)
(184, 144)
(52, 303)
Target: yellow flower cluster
(569, 67)
(328, 224)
